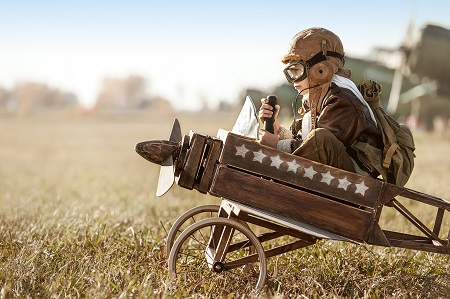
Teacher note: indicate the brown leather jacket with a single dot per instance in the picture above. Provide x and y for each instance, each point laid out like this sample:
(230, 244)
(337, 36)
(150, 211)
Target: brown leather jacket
(348, 119)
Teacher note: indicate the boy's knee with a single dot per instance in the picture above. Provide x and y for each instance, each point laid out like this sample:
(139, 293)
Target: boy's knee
(321, 135)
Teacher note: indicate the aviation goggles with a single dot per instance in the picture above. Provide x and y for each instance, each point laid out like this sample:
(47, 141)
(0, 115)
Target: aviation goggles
(296, 70)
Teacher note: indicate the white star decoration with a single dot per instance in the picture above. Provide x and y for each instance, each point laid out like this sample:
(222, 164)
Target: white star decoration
(344, 183)
(327, 177)
(241, 150)
(276, 161)
(309, 172)
(259, 156)
(292, 166)
(361, 188)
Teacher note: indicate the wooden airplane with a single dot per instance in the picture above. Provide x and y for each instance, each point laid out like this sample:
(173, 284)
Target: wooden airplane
(287, 194)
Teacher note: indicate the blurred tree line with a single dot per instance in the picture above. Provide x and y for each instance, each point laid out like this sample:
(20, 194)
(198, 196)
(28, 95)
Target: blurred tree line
(116, 95)
(28, 97)
(128, 94)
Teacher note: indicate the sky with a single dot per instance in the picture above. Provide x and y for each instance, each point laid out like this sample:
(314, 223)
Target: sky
(191, 52)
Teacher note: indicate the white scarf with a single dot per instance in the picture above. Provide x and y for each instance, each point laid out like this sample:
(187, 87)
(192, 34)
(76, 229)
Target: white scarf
(347, 83)
(341, 82)
(306, 121)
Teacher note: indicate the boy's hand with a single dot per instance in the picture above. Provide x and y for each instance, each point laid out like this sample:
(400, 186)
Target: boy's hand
(266, 111)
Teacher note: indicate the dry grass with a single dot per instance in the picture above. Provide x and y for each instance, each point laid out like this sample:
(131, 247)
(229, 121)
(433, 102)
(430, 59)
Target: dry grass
(79, 218)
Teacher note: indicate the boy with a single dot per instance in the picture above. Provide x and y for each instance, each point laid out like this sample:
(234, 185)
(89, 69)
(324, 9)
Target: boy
(334, 113)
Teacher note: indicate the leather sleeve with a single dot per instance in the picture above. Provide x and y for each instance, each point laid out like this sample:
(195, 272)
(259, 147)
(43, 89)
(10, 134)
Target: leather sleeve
(348, 119)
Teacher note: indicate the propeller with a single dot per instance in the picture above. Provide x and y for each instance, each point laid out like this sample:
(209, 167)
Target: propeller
(162, 152)
(402, 69)
(172, 154)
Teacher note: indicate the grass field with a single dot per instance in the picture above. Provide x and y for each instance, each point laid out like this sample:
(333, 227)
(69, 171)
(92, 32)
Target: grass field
(79, 218)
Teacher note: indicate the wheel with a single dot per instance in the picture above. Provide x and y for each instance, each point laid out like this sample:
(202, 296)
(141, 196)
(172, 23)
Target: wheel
(213, 254)
(187, 218)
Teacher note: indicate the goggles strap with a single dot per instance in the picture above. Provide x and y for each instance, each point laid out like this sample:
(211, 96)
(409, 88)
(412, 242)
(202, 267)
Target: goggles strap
(320, 57)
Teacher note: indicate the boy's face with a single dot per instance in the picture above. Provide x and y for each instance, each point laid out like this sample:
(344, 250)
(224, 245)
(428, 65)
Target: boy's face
(302, 85)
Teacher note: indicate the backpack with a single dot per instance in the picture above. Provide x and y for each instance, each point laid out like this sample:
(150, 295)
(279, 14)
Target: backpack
(396, 161)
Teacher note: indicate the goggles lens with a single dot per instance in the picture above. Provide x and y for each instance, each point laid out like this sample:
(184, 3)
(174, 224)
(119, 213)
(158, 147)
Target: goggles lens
(295, 71)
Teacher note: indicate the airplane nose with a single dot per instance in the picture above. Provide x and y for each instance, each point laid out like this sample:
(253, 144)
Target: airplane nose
(156, 151)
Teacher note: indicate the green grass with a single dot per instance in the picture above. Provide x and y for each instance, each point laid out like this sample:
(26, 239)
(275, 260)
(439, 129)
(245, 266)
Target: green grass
(79, 218)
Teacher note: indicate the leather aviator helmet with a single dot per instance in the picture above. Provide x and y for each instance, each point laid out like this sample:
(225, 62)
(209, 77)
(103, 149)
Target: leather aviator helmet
(321, 53)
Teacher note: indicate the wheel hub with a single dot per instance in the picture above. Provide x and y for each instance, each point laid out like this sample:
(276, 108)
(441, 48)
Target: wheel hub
(218, 267)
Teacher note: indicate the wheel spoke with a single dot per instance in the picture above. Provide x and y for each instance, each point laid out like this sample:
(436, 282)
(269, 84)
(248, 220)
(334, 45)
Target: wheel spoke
(196, 239)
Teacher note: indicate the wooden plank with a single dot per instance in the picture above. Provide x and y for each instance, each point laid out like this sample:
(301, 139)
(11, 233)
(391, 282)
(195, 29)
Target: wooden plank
(420, 246)
(390, 191)
(392, 235)
(425, 198)
(261, 238)
(438, 221)
(287, 248)
(267, 253)
(193, 159)
(315, 177)
(214, 148)
(292, 203)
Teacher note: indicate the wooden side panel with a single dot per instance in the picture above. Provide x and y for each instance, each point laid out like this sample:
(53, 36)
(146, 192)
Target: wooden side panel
(289, 202)
(214, 150)
(193, 160)
(314, 177)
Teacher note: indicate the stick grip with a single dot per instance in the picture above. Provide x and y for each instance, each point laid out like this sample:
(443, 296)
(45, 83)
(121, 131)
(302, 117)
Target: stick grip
(268, 122)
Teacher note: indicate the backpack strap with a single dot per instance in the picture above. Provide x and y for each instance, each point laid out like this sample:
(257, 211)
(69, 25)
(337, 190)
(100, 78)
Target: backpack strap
(388, 155)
